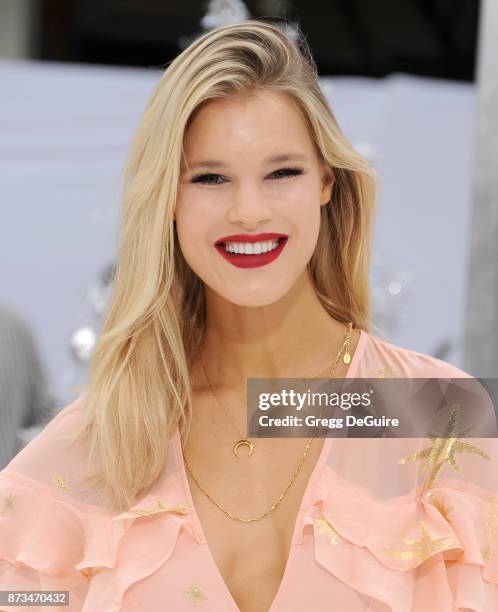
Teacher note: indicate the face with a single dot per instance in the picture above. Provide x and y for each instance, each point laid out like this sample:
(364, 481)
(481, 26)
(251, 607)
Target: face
(231, 190)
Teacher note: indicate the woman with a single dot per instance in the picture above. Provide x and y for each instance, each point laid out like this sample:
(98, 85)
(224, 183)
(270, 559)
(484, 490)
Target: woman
(244, 254)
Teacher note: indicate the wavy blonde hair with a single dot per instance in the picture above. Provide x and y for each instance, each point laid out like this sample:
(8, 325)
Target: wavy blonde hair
(138, 389)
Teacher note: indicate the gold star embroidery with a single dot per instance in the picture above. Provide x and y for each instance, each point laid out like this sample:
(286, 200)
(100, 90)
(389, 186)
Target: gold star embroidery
(195, 594)
(384, 372)
(88, 572)
(160, 508)
(443, 450)
(440, 505)
(490, 520)
(324, 527)
(490, 524)
(7, 504)
(60, 482)
(421, 549)
(486, 553)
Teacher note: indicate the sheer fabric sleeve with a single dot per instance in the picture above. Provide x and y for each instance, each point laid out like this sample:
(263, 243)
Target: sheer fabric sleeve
(413, 522)
(45, 520)
(55, 534)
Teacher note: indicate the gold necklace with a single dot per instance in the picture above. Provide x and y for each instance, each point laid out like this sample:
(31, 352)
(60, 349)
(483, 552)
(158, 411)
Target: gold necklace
(346, 359)
(243, 440)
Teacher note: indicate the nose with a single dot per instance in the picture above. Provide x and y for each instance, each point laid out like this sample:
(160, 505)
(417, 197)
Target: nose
(249, 208)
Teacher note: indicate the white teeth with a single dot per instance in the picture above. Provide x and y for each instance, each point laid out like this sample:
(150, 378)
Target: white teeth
(251, 248)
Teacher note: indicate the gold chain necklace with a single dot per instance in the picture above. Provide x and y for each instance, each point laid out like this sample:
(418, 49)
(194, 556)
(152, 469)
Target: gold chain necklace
(347, 360)
(243, 440)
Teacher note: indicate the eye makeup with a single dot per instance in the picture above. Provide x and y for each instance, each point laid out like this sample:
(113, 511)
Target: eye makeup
(289, 173)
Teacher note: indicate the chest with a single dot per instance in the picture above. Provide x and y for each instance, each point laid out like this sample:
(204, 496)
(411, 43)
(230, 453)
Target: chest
(251, 557)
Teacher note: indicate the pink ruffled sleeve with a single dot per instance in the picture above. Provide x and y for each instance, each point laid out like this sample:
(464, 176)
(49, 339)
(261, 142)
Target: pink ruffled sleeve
(54, 534)
(44, 524)
(41, 541)
(412, 522)
(433, 550)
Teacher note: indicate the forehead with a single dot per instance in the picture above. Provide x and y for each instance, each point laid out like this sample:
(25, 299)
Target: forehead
(252, 123)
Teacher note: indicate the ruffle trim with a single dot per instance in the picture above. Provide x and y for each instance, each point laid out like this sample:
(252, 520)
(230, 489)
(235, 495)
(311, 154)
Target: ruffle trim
(59, 539)
(439, 546)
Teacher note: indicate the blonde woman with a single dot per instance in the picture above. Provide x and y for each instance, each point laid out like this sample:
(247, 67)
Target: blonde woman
(244, 253)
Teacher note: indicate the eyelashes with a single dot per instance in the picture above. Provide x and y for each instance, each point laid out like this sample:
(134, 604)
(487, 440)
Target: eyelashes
(289, 173)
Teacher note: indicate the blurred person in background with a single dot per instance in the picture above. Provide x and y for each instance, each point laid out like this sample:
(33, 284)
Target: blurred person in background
(25, 400)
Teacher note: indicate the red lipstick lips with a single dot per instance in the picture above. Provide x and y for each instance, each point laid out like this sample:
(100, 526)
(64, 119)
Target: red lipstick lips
(240, 260)
(249, 238)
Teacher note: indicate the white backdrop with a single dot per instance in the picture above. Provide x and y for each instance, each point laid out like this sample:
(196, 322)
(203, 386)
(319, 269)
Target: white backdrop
(64, 130)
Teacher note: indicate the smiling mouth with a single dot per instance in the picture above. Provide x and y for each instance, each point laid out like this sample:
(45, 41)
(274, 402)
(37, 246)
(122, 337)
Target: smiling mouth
(248, 248)
(240, 254)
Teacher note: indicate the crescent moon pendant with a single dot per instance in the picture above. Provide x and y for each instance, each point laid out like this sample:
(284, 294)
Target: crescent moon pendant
(243, 442)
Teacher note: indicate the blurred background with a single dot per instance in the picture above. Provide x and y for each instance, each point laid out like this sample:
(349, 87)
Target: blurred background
(413, 84)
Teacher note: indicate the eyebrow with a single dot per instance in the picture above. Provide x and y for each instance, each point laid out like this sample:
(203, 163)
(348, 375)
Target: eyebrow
(282, 157)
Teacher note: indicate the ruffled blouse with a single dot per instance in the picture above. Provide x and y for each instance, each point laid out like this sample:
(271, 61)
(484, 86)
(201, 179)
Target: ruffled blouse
(370, 534)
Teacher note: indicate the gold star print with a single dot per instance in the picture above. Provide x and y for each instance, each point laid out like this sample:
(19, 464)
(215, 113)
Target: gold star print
(490, 520)
(421, 549)
(324, 527)
(88, 572)
(443, 450)
(160, 508)
(60, 482)
(440, 505)
(490, 524)
(384, 372)
(486, 553)
(195, 594)
(7, 504)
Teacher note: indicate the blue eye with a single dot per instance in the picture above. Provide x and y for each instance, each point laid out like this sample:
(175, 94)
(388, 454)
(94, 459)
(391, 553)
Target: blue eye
(289, 172)
(202, 178)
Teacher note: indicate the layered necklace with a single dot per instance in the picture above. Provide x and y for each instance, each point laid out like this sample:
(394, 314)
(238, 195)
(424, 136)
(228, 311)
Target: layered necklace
(244, 441)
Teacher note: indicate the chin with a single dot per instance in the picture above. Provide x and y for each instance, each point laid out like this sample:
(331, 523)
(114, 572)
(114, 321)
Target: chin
(254, 298)
(248, 303)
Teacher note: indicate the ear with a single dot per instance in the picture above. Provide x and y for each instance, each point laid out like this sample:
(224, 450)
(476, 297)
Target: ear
(328, 179)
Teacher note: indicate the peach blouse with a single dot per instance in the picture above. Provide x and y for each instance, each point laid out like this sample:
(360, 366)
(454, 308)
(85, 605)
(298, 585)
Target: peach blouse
(369, 535)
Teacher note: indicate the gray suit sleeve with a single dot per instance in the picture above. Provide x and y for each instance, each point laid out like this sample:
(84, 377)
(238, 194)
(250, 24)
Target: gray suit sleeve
(25, 399)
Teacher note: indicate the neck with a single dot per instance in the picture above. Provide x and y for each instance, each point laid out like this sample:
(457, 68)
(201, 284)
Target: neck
(292, 337)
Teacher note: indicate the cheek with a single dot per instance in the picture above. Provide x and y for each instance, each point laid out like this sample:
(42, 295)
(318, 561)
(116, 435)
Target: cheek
(193, 225)
(195, 208)
(188, 219)
(303, 210)
(304, 214)
(187, 228)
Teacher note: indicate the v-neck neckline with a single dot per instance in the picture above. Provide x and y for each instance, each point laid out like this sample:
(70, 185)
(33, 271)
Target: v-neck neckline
(197, 525)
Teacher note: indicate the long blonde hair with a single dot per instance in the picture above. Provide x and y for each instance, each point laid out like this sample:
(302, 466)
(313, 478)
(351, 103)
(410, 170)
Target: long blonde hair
(138, 389)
